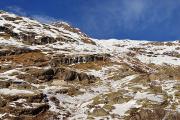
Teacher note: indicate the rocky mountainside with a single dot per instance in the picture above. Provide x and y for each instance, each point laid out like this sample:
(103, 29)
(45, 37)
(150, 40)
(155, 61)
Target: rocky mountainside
(56, 72)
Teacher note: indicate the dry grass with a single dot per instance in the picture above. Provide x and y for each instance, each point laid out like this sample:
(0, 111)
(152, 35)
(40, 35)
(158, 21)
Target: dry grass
(26, 58)
(88, 41)
(165, 73)
(92, 65)
(5, 36)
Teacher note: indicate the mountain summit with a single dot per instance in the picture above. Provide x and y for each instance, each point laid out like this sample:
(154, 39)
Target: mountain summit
(56, 72)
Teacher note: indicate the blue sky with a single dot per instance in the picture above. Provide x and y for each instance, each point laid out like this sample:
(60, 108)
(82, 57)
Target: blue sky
(104, 19)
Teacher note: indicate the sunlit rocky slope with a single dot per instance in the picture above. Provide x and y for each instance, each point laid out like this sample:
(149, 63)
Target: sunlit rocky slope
(56, 72)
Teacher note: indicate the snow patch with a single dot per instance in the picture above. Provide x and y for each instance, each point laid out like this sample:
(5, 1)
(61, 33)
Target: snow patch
(121, 109)
(6, 91)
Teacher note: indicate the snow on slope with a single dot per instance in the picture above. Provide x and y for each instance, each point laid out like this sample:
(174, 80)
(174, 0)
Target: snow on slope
(120, 86)
(28, 25)
(112, 46)
(157, 56)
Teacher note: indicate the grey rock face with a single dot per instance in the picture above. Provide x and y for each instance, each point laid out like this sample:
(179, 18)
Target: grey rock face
(67, 60)
(70, 75)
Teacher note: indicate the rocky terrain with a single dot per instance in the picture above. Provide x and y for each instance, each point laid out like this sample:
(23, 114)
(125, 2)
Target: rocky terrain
(56, 72)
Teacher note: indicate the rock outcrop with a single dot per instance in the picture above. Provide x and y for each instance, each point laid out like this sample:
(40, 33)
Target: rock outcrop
(22, 104)
(55, 73)
(70, 75)
(7, 51)
(75, 59)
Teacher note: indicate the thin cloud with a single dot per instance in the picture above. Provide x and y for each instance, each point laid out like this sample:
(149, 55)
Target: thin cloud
(41, 18)
(132, 12)
(111, 14)
(16, 10)
(128, 14)
(44, 18)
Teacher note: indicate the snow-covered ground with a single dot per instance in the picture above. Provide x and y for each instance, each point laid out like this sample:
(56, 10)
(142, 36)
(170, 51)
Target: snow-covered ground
(125, 75)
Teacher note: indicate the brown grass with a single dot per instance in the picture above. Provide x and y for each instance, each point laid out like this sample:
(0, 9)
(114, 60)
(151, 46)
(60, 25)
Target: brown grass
(88, 41)
(26, 58)
(5, 36)
(92, 65)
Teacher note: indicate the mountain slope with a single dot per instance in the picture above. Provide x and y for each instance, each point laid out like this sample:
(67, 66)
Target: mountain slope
(57, 72)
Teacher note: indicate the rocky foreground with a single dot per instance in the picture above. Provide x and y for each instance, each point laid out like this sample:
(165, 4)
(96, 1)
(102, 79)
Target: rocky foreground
(56, 72)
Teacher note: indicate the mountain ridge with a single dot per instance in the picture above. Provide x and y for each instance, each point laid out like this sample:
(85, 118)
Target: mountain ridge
(58, 72)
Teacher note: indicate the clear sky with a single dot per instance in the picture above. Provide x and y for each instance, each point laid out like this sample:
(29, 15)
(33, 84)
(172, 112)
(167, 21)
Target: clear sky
(121, 19)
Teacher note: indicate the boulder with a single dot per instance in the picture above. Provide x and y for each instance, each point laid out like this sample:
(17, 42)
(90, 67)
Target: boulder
(47, 40)
(70, 76)
(4, 84)
(2, 102)
(48, 74)
(156, 86)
